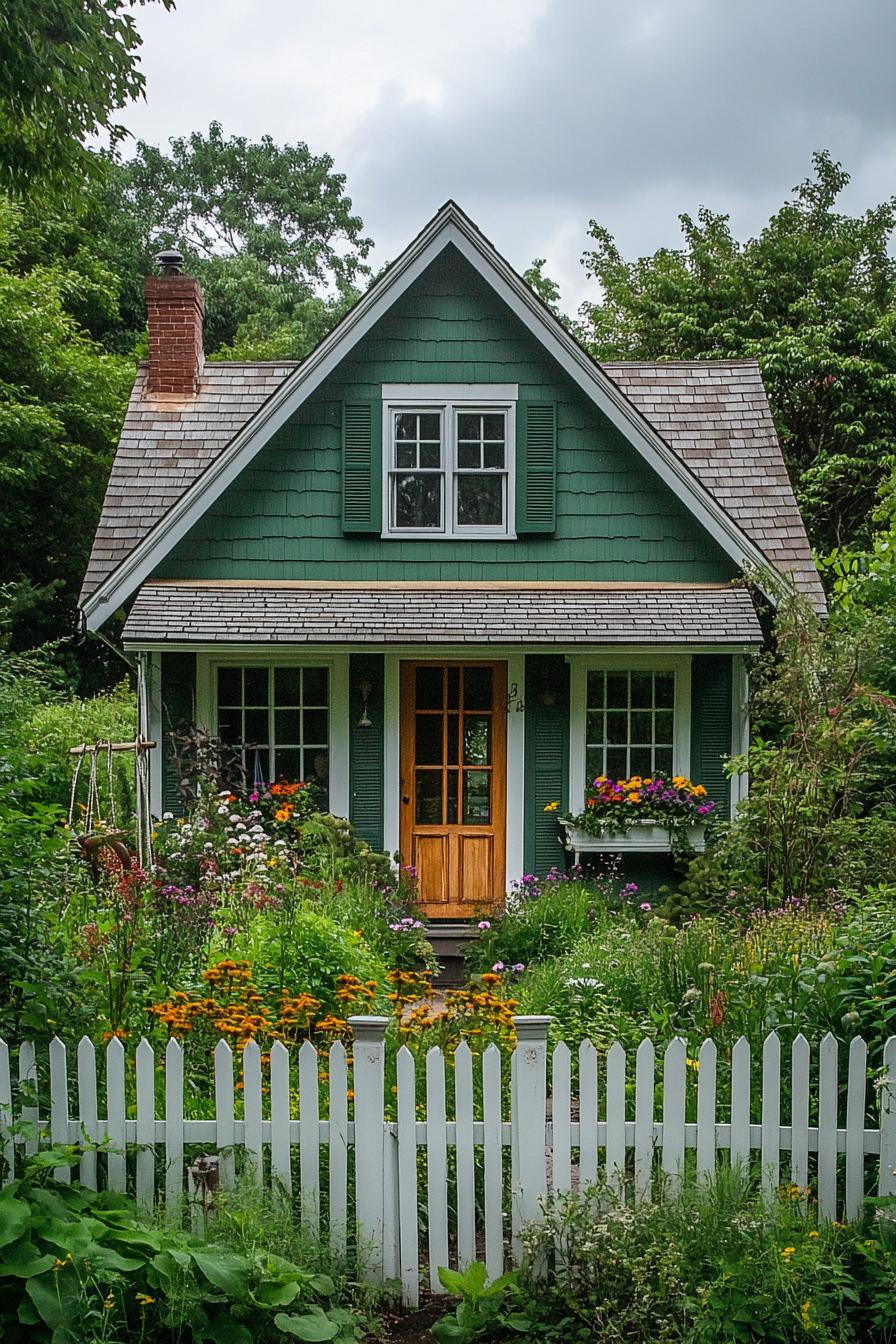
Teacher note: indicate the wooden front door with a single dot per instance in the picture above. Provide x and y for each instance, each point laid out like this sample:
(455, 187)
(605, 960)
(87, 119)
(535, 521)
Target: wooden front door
(453, 784)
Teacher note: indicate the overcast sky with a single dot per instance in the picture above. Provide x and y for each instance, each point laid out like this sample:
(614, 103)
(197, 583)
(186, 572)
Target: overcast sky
(537, 115)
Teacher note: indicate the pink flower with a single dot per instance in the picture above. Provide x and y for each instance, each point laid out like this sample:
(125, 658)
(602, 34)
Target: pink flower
(484, 925)
(645, 905)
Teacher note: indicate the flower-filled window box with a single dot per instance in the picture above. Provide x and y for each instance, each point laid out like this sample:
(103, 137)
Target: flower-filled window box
(641, 813)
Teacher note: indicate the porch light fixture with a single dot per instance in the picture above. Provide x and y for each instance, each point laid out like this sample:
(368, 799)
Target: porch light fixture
(365, 688)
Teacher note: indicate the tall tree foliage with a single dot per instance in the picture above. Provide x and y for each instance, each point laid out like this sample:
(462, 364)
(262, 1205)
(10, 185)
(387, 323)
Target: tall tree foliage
(268, 230)
(65, 67)
(812, 297)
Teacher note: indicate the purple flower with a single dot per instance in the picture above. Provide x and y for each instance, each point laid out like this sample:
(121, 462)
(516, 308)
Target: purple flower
(645, 905)
(630, 889)
(229, 930)
(518, 967)
(498, 968)
(484, 925)
(410, 870)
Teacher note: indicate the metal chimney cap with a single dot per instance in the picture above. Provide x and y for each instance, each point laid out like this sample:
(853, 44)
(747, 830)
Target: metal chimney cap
(170, 262)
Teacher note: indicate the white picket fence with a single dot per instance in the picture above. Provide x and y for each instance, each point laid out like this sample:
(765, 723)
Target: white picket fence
(373, 1180)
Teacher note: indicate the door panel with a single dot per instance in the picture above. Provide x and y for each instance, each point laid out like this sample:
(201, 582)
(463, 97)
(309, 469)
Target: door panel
(453, 785)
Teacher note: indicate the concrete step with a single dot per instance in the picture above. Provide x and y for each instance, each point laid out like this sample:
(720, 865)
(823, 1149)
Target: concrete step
(449, 942)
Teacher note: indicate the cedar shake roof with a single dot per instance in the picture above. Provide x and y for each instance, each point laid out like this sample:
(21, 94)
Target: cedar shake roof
(183, 613)
(715, 415)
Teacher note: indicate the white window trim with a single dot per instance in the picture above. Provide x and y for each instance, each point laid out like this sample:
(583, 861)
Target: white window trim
(679, 664)
(337, 719)
(447, 398)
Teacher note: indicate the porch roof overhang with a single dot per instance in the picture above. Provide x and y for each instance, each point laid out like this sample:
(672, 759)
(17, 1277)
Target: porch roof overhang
(545, 614)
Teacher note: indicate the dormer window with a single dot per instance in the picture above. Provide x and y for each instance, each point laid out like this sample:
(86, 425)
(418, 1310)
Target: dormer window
(449, 461)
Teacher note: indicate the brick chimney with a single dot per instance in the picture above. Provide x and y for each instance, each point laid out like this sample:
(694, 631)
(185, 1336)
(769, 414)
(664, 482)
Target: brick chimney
(175, 312)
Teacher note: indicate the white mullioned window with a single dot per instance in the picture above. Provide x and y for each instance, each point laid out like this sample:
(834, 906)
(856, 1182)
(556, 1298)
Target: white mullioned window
(449, 457)
(278, 716)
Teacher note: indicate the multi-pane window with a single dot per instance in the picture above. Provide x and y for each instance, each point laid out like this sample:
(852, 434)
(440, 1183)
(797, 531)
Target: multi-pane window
(279, 719)
(630, 721)
(448, 471)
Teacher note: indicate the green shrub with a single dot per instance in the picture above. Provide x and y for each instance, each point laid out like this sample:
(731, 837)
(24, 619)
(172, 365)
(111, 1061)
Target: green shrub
(714, 1265)
(307, 951)
(77, 1267)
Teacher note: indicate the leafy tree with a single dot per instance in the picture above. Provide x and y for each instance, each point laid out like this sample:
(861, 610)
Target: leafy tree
(61, 403)
(266, 228)
(65, 66)
(812, 298)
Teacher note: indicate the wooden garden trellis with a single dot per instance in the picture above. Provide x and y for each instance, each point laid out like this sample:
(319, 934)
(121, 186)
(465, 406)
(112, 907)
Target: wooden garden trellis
(838, 1156)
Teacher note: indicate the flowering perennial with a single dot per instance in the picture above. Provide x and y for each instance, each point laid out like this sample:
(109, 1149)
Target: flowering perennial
(615, 806)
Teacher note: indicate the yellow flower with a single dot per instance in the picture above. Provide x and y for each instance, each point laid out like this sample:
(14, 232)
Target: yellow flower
(109, 1302)
(552, 807)
(788, 1253)
(813, 1233)
(144, 1299)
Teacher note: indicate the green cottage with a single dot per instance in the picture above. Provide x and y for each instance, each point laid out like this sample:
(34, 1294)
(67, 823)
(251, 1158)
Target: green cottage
(447, 566)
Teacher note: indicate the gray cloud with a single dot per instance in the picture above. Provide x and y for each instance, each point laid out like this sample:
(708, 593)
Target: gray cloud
(538, 114)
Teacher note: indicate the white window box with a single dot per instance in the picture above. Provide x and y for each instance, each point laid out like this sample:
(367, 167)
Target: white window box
(644, 837)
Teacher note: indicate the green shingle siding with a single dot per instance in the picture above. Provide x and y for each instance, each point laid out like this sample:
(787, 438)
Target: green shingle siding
(366, 765)
(546, 760)
(711, 691)
(178, 696)
(283, 516)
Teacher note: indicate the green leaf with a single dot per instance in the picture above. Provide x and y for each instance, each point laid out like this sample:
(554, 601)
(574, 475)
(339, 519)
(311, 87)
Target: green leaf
(314, 1327)
(24, 1260)
(276, 1293)
(323, 1284)
(55, 1296)
(15, 1217)
(224, 1269)
(225, 1330)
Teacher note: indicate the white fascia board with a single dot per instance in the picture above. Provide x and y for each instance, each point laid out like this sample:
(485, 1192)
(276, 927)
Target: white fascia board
(448, 226)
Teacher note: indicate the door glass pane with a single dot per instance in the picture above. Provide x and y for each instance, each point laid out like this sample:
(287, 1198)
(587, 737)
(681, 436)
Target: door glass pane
(286, 726)
(429, 739)
(256, 685)
(452, 732)
(477, 797)
(477, 688)
(480, 501)
(429, 687)
(314, 686)
(453, 779)
(453, 687)
(418, 501)
(428, 808)
(477, 739)
(230, 685)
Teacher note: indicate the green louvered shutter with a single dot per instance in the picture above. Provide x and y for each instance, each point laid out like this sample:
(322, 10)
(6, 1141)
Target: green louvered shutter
(178, 711)
(366, 762)
(547, 760)
(361, 481)
(536, 469)
(711, 726)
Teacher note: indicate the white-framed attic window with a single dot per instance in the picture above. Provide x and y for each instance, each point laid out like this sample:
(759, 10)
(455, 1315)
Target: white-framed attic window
(450, 461)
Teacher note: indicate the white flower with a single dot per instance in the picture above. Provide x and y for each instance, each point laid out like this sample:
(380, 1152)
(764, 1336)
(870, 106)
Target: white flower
(167, 816)
(280, 844)
(222, 811)
(235, 817)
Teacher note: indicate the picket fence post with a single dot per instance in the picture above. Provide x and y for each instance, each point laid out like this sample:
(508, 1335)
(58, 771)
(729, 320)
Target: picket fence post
(528, 1115)
(369, 1072)
(887, 1085)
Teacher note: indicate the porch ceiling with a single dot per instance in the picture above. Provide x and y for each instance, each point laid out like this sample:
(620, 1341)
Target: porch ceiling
(230, 613)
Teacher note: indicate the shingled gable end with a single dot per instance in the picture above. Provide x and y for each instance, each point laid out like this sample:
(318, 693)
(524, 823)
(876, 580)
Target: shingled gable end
(447, 493)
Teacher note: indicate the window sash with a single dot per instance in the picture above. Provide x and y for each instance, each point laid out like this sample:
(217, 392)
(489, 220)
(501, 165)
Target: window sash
(268, 749)
(449, 471)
